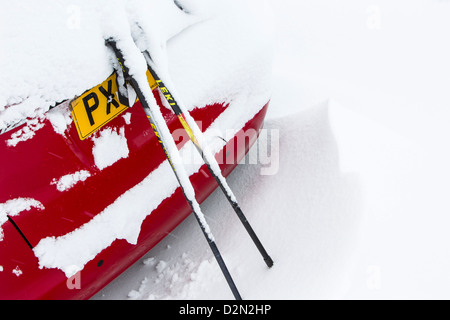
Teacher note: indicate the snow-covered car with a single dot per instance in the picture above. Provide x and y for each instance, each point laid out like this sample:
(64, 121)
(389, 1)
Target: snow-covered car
(85, 188)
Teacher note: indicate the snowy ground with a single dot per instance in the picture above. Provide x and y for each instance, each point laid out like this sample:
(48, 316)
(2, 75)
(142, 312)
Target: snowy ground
(359, 206)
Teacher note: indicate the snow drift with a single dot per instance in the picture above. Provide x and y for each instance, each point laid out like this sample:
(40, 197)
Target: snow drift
(308, 213)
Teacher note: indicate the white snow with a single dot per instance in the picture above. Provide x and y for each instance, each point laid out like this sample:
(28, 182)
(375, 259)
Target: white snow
(109, 147)
(17, 271)
(127, 118)
(14, 207)
(60, 119)
(137, 68)
(43, 71)
(26, 133)
(68, 181)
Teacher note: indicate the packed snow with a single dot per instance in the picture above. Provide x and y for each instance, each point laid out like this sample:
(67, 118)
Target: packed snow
(60, 119)
(350, 184)
(358, 207)
(109, 147)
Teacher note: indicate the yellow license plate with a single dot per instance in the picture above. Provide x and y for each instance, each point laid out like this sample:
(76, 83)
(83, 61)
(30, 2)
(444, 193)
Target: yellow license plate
(98, 106)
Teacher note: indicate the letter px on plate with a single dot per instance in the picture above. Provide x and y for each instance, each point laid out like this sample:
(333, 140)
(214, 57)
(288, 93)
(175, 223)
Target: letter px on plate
(96, 107)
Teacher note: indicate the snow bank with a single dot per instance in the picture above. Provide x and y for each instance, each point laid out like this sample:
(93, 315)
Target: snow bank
(341, 218)
(387, 63)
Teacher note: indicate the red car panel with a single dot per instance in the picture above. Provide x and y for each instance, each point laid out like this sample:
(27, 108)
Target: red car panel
(28, 169)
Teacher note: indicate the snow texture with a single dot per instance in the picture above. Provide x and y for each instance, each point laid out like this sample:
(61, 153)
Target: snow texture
(14, 207)
(109, 147)
(43, 71)
(359, 206)
(26, 133)
(68, 181)
(137, 66)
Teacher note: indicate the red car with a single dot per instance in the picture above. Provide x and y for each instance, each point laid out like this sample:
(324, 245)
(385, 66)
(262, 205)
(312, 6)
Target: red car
(86, 190)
